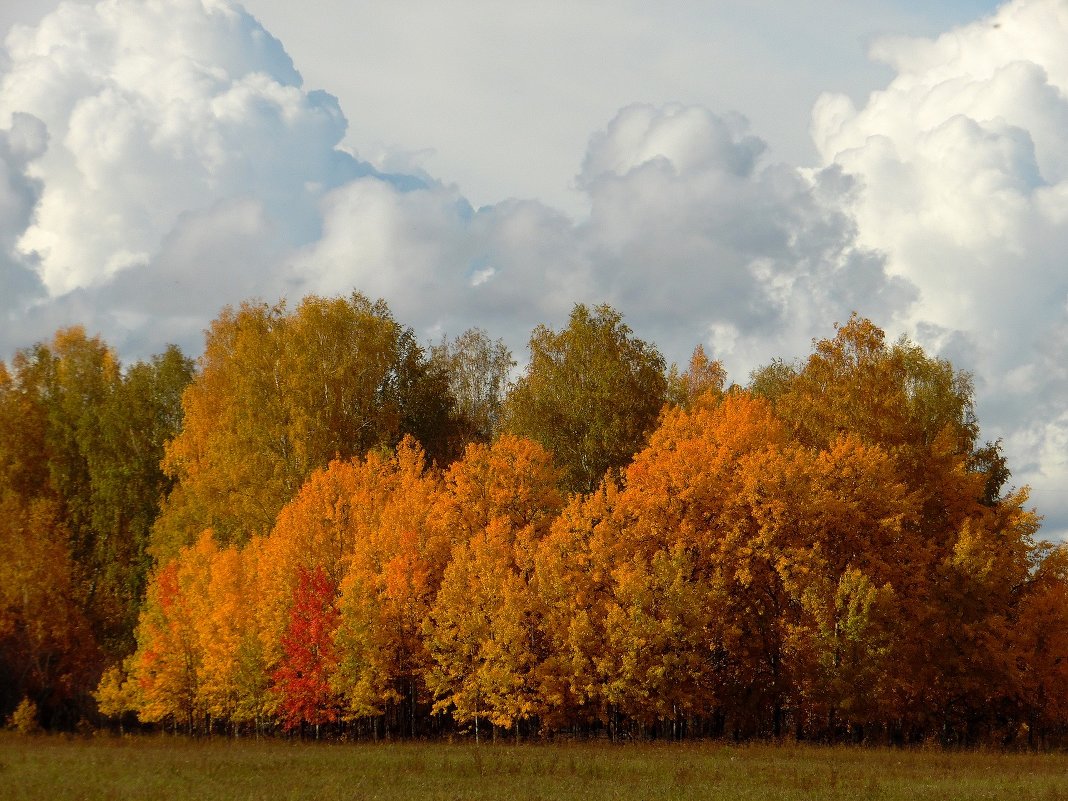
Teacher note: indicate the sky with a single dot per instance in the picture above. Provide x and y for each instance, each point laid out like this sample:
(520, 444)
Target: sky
(741, 175)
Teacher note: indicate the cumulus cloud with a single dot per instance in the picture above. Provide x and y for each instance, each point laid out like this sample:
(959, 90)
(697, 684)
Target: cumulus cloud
(707, 241)
(690, 234)
(187, 167)
(444, 266)
(155, 110)
(963, 164)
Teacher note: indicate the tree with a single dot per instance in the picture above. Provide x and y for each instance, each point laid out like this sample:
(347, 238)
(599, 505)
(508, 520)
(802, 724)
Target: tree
(168, 664)
(574, 588)
(387, 591)
(480, 668)
(23, 429)
(478, 369)
(701, 377)
(970, 660)
(892, 395)
(483, 630)
(66, 384)
(1040, 639)
(683, 513)
(919, 411)
(839, 526)
(77, 430)
(317, 530)
(135, 420)
(364, 523)
(278, 395)
(232, 677)
(591, 394)
(47, 651)
(303, 680)
(115, 694)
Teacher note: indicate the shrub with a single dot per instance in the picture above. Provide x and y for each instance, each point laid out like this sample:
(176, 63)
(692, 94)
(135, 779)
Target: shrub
(24, 718)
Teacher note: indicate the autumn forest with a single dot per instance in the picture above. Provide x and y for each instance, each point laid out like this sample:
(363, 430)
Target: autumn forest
(324, 527)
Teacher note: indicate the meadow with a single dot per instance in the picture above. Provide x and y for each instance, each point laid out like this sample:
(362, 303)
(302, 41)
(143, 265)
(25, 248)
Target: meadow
(59, 768)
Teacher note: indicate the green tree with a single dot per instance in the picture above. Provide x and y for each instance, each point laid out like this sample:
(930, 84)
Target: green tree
(591, 394)
(70, 380)
(135, 420)
(78, 431)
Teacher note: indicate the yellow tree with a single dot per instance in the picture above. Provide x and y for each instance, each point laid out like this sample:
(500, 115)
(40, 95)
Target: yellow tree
(952, 673)
(573, 587)
(839, 527)
(363, 523)
(671, 613)
(316, 530)
(657, 624)
(279, 394)
(973, 669)
(389, 585)
(703, 376)
(483, 631)
(168, 664)
(232, 677)
(685, 491)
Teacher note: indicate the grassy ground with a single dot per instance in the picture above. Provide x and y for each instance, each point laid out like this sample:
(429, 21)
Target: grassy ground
(158, 767)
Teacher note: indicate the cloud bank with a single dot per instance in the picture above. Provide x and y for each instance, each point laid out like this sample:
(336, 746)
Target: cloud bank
(159, 158)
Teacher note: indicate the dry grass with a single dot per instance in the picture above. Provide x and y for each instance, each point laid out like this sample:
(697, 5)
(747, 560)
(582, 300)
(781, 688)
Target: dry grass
(57, 769)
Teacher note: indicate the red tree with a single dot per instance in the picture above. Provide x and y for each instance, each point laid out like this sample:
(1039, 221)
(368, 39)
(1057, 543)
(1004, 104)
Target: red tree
(309, 658)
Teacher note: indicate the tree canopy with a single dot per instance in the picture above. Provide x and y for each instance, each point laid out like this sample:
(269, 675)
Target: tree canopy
(277, 395)
(356, 537)
(591, 394)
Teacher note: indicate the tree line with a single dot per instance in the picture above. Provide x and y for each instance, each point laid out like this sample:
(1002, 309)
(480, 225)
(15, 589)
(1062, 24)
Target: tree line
(324, 526)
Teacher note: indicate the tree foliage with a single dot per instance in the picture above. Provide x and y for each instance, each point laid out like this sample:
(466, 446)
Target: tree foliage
(309, 658)
(280, 394)
(831, 552)
(478, 369)
(591, 394)
(80, 446)
(483, 630)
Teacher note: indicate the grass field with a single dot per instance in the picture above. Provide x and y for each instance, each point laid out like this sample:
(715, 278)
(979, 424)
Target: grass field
(57, 768)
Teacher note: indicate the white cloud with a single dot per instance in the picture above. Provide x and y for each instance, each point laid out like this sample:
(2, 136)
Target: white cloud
(425, 251)
(963, 160)
(154, 109)
(187, 168)
(502, 97)
(692, 231)
(690, 234)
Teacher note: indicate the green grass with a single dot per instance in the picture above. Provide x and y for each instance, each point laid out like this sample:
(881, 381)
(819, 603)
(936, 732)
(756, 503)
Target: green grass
(158, 767)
